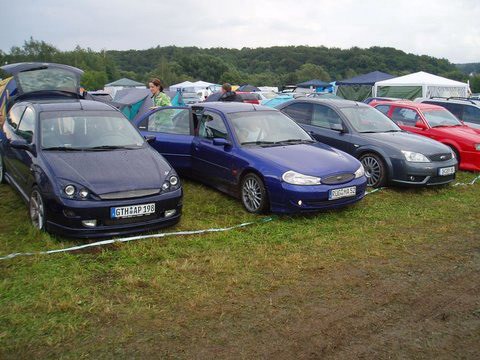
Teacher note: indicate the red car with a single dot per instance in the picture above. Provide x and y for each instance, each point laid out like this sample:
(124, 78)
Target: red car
(436, 123)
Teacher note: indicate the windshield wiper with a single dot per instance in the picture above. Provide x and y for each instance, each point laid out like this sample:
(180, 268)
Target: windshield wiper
(295, 141)
(260, 142)
(63, 148)
(368, 132)
(392, 130)
(112, 147)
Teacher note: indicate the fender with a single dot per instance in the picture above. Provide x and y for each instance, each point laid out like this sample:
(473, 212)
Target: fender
(375, 149)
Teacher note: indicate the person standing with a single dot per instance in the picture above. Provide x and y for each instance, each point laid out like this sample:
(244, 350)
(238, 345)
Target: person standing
(158, 96)
(228, 94)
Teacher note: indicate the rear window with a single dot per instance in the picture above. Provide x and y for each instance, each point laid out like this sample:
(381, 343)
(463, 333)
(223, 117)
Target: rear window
(48, 79)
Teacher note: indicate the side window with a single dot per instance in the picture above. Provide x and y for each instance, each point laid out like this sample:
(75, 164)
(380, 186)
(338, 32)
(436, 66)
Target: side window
(14, 115)
(325, 117)
(170, 121)
(383, 109)
(212, 126)
(407, 117)
(26, 128)
(471, 114)
(300, 112)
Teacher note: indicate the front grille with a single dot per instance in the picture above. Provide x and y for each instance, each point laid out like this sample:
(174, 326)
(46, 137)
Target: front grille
(338, 179)
(440, 157)
(130, 194)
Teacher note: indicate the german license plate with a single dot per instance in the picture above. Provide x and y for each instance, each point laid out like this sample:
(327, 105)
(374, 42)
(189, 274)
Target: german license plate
(132, 211)
(446, 171)
(343, 192)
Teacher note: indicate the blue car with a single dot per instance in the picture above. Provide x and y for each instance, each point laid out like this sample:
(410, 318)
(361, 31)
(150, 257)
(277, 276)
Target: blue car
(254, 153)
(82, 167)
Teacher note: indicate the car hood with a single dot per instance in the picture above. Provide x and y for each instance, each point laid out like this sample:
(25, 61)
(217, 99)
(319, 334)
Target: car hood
(308, 159)
(110, 171)
(407, 141)
(464, 132)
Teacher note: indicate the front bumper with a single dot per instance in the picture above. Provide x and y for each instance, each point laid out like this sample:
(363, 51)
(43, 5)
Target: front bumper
(284, 197)
(64, 216)
(421, 174)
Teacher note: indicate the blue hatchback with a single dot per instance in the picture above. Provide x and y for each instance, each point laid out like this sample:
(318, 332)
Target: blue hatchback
(254, 153)
(82, 167)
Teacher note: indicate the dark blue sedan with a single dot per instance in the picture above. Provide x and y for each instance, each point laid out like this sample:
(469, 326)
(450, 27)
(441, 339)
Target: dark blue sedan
(257, 154)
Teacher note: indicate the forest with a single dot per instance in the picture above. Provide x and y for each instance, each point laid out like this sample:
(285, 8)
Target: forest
(272, 66)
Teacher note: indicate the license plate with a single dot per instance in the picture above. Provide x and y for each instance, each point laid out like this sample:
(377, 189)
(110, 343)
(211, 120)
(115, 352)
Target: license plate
(132, 211)
(446, 171)
(341, 193)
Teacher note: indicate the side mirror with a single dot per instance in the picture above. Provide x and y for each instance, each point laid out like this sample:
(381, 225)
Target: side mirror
(337, 127)
(21, 144)
(419, 124)
(221, 142)
(150, 139)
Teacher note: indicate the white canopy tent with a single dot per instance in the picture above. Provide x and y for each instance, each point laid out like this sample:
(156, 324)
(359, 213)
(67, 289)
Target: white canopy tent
(420, 84)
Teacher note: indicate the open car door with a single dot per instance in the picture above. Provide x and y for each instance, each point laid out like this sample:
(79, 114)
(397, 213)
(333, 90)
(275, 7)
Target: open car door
(173, 130)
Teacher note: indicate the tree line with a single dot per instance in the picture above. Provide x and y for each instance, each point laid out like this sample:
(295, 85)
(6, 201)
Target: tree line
(272, 66)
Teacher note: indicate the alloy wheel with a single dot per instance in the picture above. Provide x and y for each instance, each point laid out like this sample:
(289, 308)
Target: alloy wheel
(253, 194)
(37, 210)
(373, 170)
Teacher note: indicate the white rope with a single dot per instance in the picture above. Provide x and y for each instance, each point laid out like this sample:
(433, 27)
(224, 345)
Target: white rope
(134, 238)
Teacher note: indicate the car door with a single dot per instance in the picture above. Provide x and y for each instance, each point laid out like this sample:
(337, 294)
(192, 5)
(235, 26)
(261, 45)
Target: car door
(212, 162)
(22, 159)
(9, 129)
(409, 120)
(322, 122)
(173, 129)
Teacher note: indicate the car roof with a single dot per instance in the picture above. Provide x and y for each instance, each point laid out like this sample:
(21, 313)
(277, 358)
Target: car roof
(233, 106)
(335, 103)
(69, 105)
(453, 100)
(411, 104)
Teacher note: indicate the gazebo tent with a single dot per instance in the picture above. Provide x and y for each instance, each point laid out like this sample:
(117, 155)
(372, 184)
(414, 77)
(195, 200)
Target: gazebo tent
(420, 84)
(360, 87)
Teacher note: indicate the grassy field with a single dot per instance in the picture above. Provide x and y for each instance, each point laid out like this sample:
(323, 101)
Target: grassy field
(394, 276)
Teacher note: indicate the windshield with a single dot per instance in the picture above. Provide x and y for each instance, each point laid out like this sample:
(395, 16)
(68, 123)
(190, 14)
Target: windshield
(48, 79)
(266, 128)
(442, 117)
(87, 130)
(369, 120)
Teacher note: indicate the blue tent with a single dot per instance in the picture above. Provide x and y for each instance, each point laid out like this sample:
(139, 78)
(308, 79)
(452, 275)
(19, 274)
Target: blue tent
(366, 79)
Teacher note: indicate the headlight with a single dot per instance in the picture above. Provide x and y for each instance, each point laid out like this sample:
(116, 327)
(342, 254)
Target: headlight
(360, 172)
(69, 190)
(415, 157)
(477, 147)
(295, 178)
(172, 182)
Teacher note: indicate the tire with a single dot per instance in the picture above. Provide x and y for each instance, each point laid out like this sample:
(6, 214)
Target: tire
(253, 194)
(375, 169)
(37, 209)
(2, 170)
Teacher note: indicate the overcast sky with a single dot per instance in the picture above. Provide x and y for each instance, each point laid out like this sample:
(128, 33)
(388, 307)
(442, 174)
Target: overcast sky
(441, 28)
